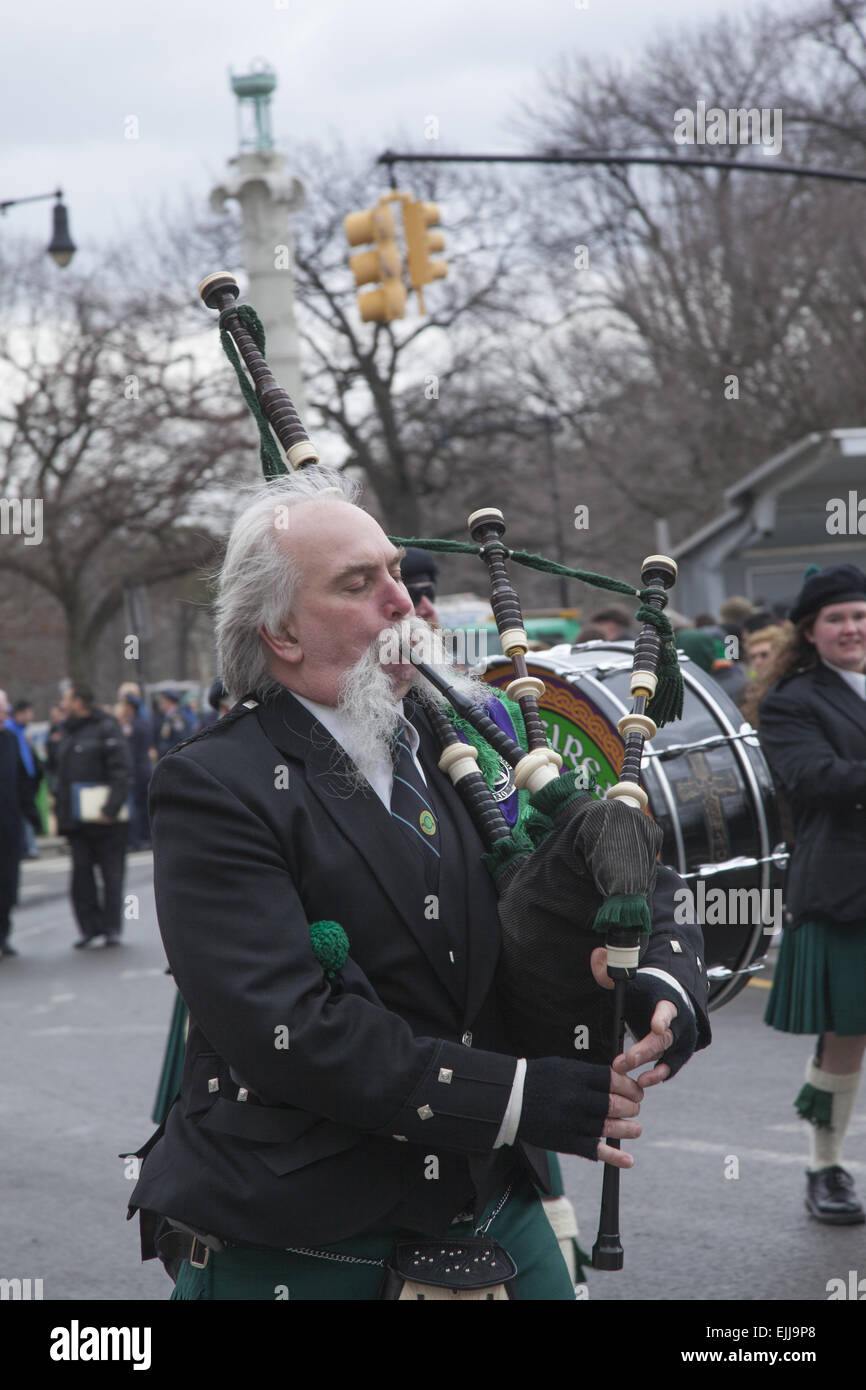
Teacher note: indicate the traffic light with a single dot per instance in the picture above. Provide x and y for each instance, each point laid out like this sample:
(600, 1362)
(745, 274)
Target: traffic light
(382, 262)
(417, 218)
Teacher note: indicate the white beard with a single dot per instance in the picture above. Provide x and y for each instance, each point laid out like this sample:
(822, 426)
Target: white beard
(372, 711)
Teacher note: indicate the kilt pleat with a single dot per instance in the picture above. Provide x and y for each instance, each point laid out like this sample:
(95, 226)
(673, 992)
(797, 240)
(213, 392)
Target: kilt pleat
(820, 980)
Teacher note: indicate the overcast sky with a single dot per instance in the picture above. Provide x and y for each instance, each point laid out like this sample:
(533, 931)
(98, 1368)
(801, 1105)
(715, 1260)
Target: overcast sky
(74, 71)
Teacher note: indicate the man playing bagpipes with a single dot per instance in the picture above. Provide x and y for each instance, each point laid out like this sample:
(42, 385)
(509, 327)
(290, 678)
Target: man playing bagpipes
(352, 1100)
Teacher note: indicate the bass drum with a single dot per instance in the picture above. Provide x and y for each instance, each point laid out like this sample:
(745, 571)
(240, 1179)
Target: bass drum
(708, 785)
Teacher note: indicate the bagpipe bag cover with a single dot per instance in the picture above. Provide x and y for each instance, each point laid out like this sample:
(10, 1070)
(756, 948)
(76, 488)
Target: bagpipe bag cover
(548, 903)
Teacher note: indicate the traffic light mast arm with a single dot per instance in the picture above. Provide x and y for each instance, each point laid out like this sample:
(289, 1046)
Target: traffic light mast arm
(766, 166)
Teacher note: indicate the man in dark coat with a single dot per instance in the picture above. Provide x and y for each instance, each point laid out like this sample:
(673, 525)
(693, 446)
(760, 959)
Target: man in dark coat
(93, 752)
(21, 716)
(329, 1104)
(174, 723)
(138, 731)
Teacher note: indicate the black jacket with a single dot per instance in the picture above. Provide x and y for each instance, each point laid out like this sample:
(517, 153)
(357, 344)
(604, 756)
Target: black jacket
(404, 1058)
(93, 749)
(813, 732)
(15, 804)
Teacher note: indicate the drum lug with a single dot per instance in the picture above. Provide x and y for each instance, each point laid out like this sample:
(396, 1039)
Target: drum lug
(779, 856)
(721, 972)
(676, 750)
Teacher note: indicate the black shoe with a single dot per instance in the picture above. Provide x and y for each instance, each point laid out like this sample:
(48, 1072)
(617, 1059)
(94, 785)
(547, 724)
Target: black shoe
(7, 950)
(86, 942)
(830, 1197)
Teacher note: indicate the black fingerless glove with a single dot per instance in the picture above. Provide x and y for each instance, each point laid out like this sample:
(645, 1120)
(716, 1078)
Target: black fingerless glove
(641, 996)
(565, 1105)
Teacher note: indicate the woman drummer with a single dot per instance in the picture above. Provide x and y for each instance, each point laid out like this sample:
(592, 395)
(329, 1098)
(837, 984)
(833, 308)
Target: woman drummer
(813, 732)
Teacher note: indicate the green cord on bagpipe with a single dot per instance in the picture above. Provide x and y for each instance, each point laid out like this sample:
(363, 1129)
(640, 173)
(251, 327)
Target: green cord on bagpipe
(667, 703)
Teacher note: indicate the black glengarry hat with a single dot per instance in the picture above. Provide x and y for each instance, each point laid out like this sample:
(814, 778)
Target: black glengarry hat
(837, 584)
(418, 566)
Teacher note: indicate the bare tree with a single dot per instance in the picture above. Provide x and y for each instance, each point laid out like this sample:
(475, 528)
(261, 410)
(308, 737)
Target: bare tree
(728, 306)
(114, 422)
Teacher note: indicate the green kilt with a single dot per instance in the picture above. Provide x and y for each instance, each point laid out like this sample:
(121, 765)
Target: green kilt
(820, 980)
(356, 1267)
(172, 1062)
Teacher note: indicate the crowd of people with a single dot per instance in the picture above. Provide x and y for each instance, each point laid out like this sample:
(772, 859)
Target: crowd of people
(96, 765)
(735, 646)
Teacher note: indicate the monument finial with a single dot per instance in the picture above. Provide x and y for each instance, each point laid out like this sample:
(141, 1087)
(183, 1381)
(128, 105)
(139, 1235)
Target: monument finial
(253, 91)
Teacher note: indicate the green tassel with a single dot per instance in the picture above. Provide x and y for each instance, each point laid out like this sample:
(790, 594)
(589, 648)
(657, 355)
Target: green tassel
(667, 703)
(555, 796)
(330, 946)
(815, 1106)
(505, 852)
(273, 463)
(623, 909)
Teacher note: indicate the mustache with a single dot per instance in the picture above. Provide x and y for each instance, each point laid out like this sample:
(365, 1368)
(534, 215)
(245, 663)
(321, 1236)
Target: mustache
(413, 637)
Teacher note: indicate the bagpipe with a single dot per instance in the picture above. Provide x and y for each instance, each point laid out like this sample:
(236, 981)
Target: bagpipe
(577, 871)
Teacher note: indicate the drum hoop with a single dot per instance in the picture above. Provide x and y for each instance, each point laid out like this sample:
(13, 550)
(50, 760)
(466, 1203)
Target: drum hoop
(748, 773)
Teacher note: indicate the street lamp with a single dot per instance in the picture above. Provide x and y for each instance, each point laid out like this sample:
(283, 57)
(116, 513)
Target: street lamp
(61, 248)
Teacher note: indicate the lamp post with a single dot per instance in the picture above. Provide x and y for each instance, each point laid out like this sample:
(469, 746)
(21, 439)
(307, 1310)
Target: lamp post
(61, 248)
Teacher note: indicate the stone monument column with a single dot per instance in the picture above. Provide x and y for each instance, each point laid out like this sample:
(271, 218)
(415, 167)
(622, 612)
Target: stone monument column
(268, 195)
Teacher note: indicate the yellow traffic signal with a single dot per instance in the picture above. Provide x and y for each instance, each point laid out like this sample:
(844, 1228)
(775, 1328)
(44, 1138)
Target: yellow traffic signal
(382, 263)
(417, 218)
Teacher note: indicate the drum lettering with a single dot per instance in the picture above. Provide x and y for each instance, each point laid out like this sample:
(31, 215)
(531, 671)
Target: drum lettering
(552, 732)
(572, 743)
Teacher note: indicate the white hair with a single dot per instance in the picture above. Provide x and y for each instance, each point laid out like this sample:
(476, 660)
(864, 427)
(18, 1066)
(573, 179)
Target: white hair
(258, 576)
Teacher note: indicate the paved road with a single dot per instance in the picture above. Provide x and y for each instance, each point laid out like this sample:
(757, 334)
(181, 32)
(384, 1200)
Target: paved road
(690, 1232)
(83, 1033)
